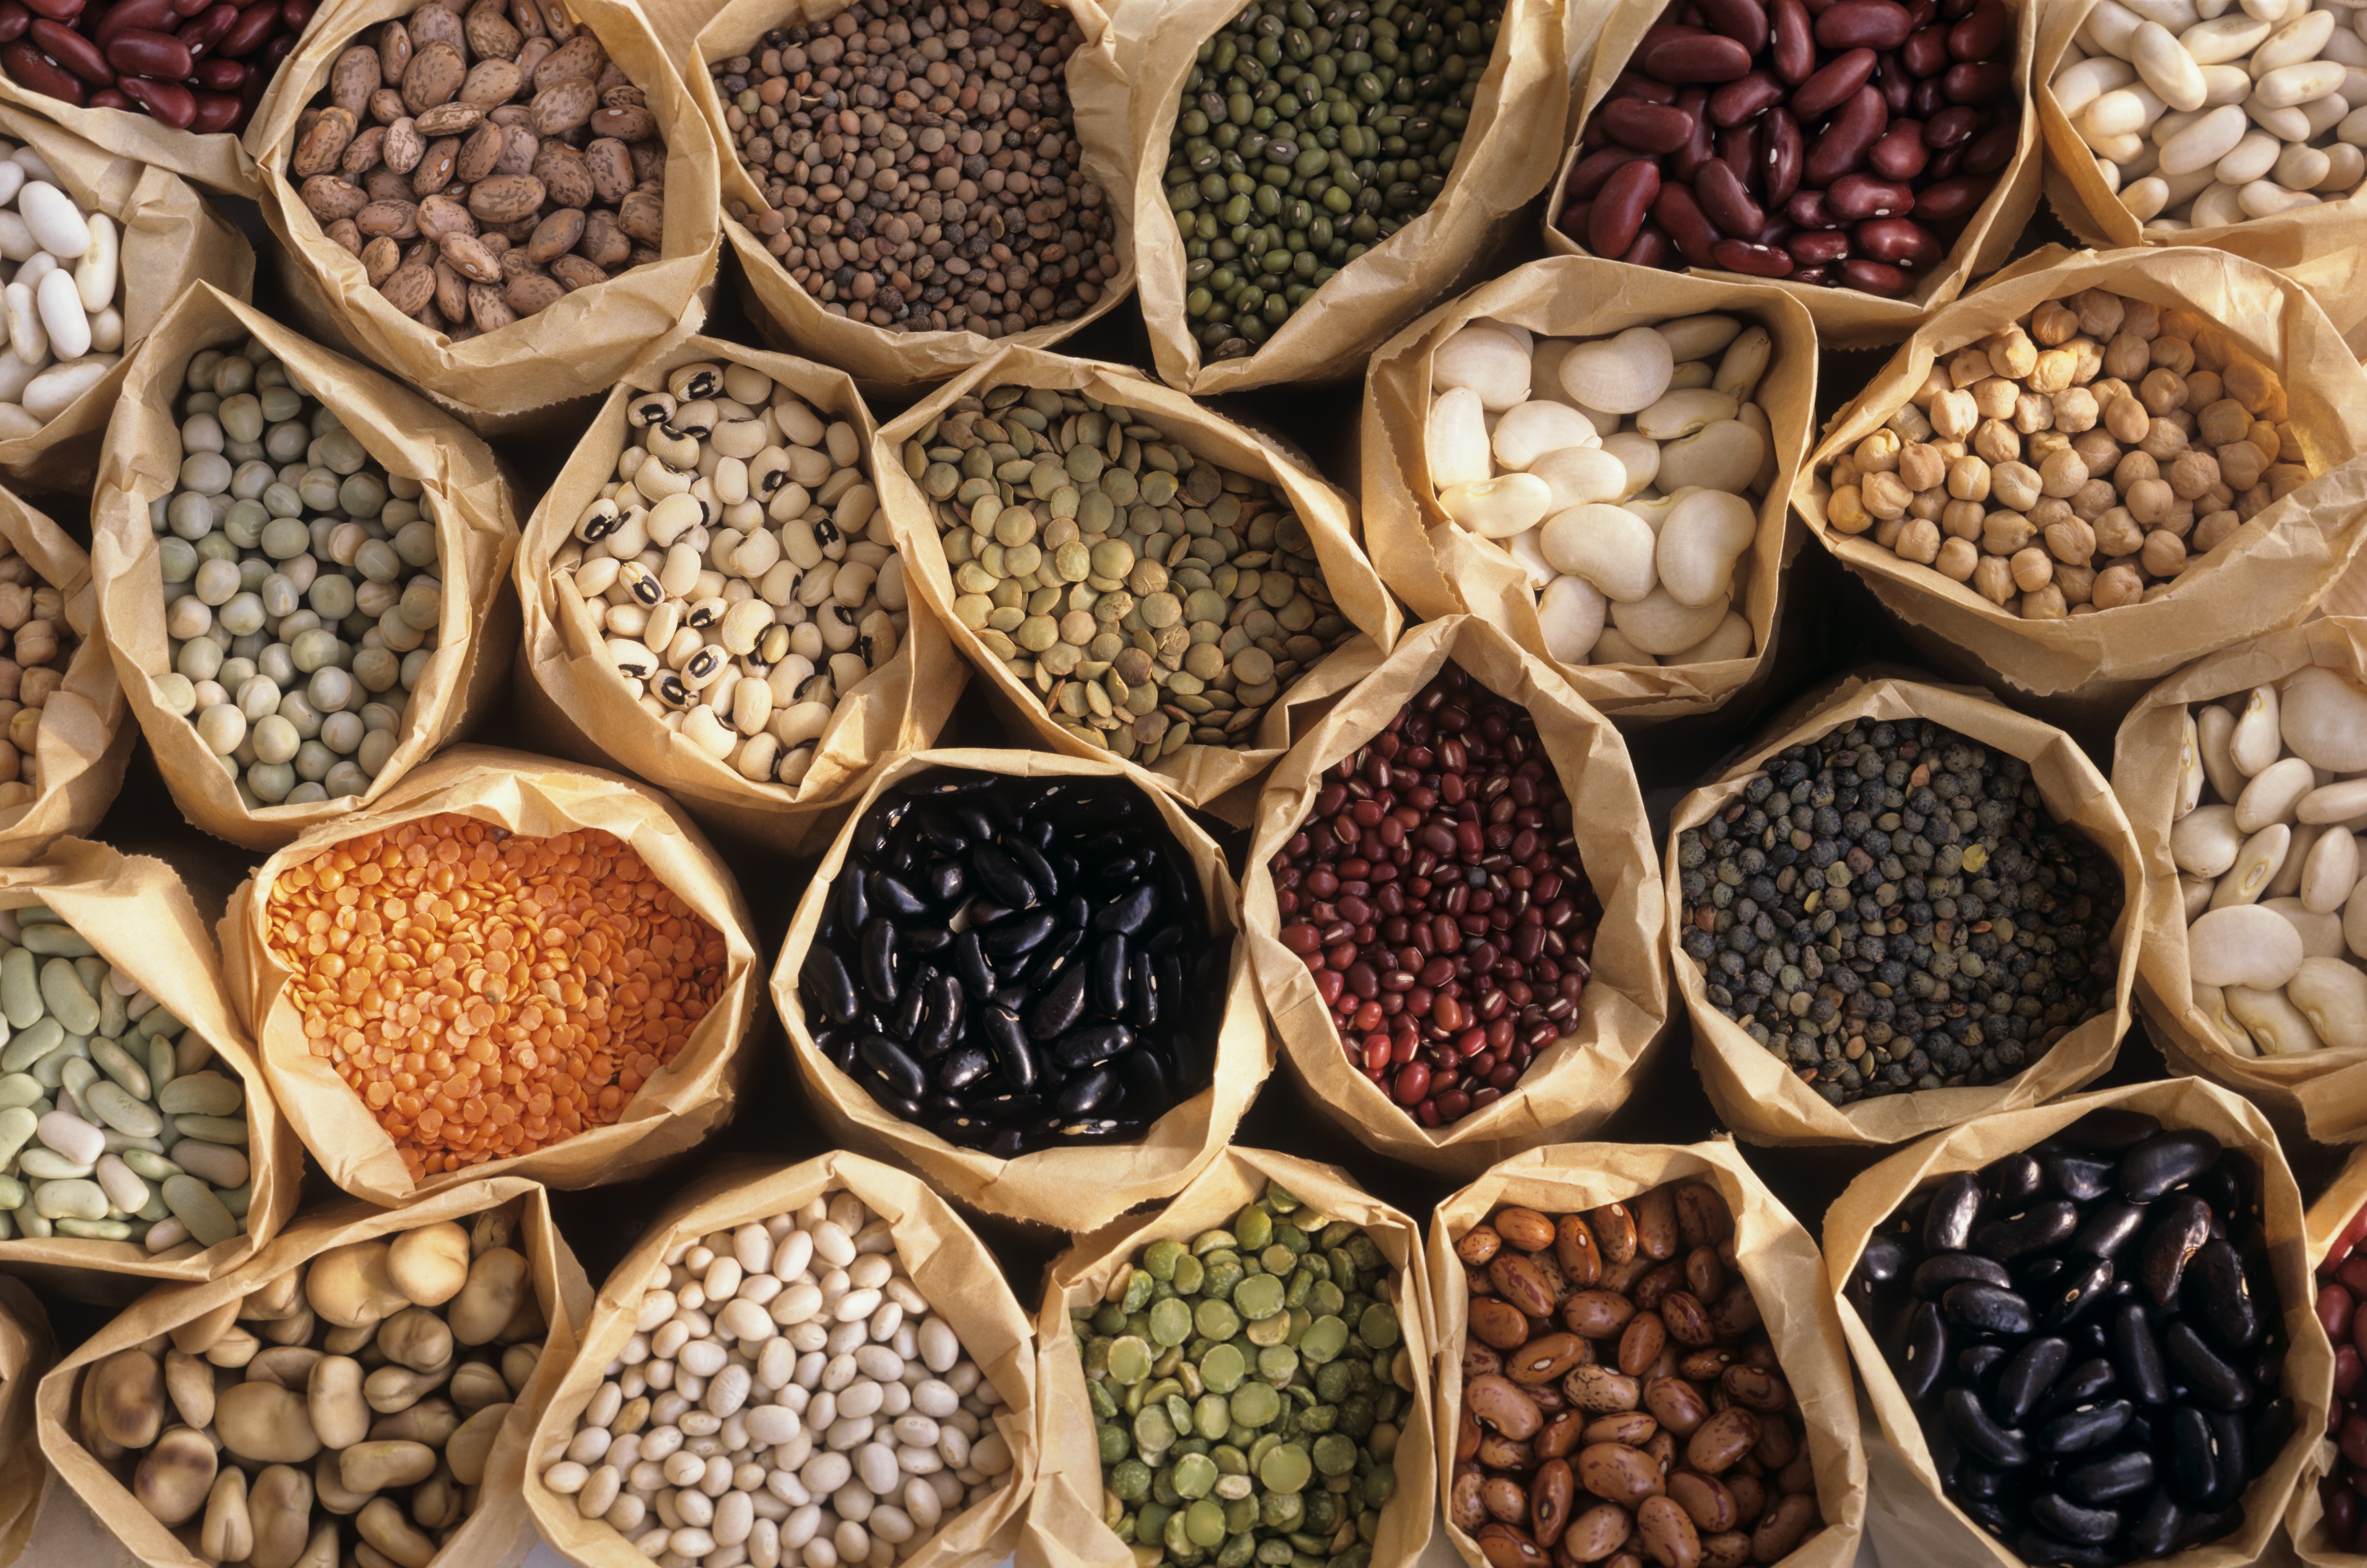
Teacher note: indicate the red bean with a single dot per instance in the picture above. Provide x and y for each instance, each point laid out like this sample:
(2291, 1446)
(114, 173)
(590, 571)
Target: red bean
(1846, 138)
(1806, 209)
(144, 53)
(1902, 242)
(1681, 218)
(295, 15)
(210, 28)
(1951, 199)
(73, 51)
(1646, 127)
(1898, 87)
(1727, 204)
(1700, 147)
(15, 18)
(1705, 58)
(185, 9)
(2335, 1305)
(1758, 260)
(1831, 86)
(1980, 84)
(1619, 210)
(1650, 249)
(1925, 52)
(1793, 51)
(175, 60)
(1991, 151)
(1953, 127)
(155, 14)
(1855, 198)
(1585, 180)
(1900, 153)
(255, 24)
(1817, 248)
(1741, 20)
(1628, 84)
(1863, 24)
(1875, 277)
(31, 68)
(1739, 150)
(57, 10)
(1747, 100)
(1982, 34)
(1785, 153)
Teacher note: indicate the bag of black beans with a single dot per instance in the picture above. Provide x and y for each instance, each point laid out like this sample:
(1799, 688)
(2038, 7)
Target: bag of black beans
(2021, 1162)
(1946, 987)
(26, 1352)
(1584, 871)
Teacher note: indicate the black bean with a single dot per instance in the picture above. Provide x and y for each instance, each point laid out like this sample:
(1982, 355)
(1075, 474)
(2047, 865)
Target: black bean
(1144, 992)
(2110, 1129)
(2218, 1294)
(1971, 1423)
(1955, 1206)
(2089, 1427)
(2061, 1517)
(1925, 1355)
(941, 1019)
(2041, 1550)
(1008, 1040)
(1002, 875)
(2110, 1480)
(945, 880)
(2108, 1227)
(2076, 1387)
(2163, 1161)
(963, 1067)
(1978, 1481)
(1111, 960)
(1038, 871)
(1979, 1363)
(2082, 1286)
(2038, 1228)
(2136, 1353)
(1883, 1258)
(2159, 1528)
(1986, 1309)
(1129, 912)
(2193, 1457)
(2215, 1383)
(1058, 1009)
(1144, 1079)
(2272, 1427)
(1017, 934)
(1090, 1046)
(906, 1017)
(2230, 1437)
(1084, 1095)
(1934, 1275)
(2029, 1373)
(2079, 1176)
(896, 1068)
(2182, 1226)
(880, 960)
(890, 897)
(977, 971)
(2013, 1181)
(854, 905)
(828, 984)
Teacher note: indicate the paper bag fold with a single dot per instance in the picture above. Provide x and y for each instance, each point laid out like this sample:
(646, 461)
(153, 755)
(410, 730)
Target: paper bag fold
(26, 1351)
(86, 737)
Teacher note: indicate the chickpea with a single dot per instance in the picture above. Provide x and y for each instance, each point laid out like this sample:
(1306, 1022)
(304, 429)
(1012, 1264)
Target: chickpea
(2054, 371)
(2162, 391)
(1928, 505)
(2117, 533)
(1920, 467)
(2061, 473)
(2142, 319)
(2249, 382)
(1962, 519)
(2054, 323)
(2033, 412)
(2093, 499)
(2076, 411)
(1954, 415)
(1844, 472)
(1909, 424)
(2250, 503)
(1996, 397)
(2127, 356)
(1845, 510)
(2135, 468)
(1884, 495)
(2213, 531)
(2266, 437)
(1958, 558)
(1878, 453)
(2164, 554)
(2241, 465)
(2221, 421)
(1935, 381)
(2149, 501)
(2011, 354)
(1993, 579)
(2047, 604)
(2100, 311)
(2015, 486)
(1919, 541)
(1997, 441)
(2087, 361)
(2072, 543)
(2163, 440)
(2077, 584)
(2033, 569)
(2289, 444)
(2049, 511)
(2175, 355)
(1886, 531)
(2194, 475)
(1967, 366)
(2003, 533)
(2205, 388)
(2126, 418)
(2117, 585)
(2282, 479)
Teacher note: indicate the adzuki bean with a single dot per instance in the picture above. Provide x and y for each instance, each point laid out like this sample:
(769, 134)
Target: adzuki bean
(2341, 1286)
(1437, 895)
(197, 65)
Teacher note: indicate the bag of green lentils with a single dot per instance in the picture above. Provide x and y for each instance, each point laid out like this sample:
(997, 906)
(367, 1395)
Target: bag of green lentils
(1361, 1405)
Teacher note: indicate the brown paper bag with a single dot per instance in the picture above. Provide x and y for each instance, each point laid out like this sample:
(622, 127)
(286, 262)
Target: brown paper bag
(142, 463)
(1576, 1084)
(2265, 577)
(570, 692)
(1197, 774)
(1064, 1519)
(2327, 1088)
(1847, 318)
(169, 239)
(1941, 1531)
(948, 1265)
(1755, 1092)
(2324, 1225)
(138, 914)
(586, 340)
(686, 1100)
(1506, 157)
(218, 161)
(1439, 568)
(26, 1351)
(1776, 1257)
(498, 1533)
(85, 738)
(1071, 1188)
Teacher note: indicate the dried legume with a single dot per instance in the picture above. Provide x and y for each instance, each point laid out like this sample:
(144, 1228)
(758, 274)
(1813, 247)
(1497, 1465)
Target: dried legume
(1892, 907)
(1303, 138)
(739, 568)
(2092, 1328)
(62, 337)
(2341, 1286)
(789, 1396)
(1437, 895)
(200, 69)
(257, 599)
(377, 1377)
(1247, 1390)
(920, 164)
(489, 994)
(1151, 598)
(36, 647)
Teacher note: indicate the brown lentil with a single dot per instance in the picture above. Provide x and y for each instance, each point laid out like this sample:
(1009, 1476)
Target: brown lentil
(416, 972)
(921, 168)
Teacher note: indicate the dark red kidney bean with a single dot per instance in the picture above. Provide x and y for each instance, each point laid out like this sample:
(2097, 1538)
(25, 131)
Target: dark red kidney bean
(1898, 153)
(207, 31)
(1922, 14)
(1898, 86)
(1842, 145)
(112, 98)
(1982, 82)
(1700, 147)
(1741, 20)
(218, 76)
(1792, 45)
(14, 19)
(1902, 242)
(281, 46)
(1619, 209)
(1681, 217)
(1587, 175)
(1855, 198)
(168, 101)
(1593, 138)
(1573, 220)
(1950, 126)
(1818, 248)
(1817, 277)
(2348, 1369)
(1863, 24)
(1739, 150)
(144, 53)
(1705, 58)
(1728, 204)
(216, 112)
(1646, 127)
(1757, 261)
(185, 9)
(1650, 249)
(156, 15)
(255, 23)
(1928, 98)
(1991, 151)
(1982, 34)
(73, 51)
(1942, 165)
(1747, 100)
(1944, 201)
(2334, 1306)
(57, 10)
(1832, 85)
(1806, 208)
(1781, 153)
(1628, 84)
(295, 16)
(29, 66)
(1925, 52)
(1874, 277)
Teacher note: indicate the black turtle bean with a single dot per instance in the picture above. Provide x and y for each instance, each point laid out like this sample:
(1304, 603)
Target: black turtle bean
(1934, 1275)
(2163, 1161)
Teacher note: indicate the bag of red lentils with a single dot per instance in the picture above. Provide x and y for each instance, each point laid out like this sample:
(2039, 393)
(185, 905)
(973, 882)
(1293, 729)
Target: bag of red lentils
(26, 1350)
(64, 768)
(1590, 1058)
(465, 496)
(628, 1031)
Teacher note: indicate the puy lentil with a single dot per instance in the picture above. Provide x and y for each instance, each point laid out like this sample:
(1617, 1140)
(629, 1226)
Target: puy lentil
(489, 994)
(1247, 1388)
(1436, 892)
(300, 590)
(921, 165)
(1150, 597)
(1892, 908)
(2341, 1286)
(1305, 137)
(1018, 964)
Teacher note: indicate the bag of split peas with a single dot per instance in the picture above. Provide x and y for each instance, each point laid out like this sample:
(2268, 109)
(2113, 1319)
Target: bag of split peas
(1439, 567)
(1911, 1510)
(1578, 1082)
(553, 1301)
(1775, 1257)
(503, 381)
(1196, 773)
(63, 780)
(946, 1263)
(27, 1349)
(464, 495)
(2322, 1227)
(1068, 1521)
(1505, 155)
(2266, 575)
(673, 942)
(575, 702)
(1758, 1093)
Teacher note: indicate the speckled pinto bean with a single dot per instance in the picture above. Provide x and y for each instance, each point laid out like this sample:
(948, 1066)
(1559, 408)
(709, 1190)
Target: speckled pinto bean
(197, 65)
(1773, 143)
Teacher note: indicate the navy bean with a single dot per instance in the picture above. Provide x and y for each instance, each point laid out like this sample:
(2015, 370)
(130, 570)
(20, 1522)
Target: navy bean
(2163, 1161)
(2089, 1427)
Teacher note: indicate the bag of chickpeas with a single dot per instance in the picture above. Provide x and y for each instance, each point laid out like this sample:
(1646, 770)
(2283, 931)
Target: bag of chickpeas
(826, 1229)
(26, 1350)
(2015, 561)
(68, 737)
(598, 1062)
(399, 527)
(1571, 1068)
(384, 1369)
(1441, 567)
(499, 202)
(1139, 520)
(1644, 1258)
(1899, 1054)
(775, 743)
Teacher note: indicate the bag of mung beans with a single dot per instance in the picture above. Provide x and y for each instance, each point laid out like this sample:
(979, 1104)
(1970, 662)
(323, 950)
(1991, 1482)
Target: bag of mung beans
(680, 1098)
(1907, 1517)
(2266, 577)
(84, 740)
(497, 1530)
(1761, 1095)
(27, 1349)
(2326, 1088)
(947, 1263)
(1075, 1188)
(1348, 608)
(1575, 1083)
(1440, 568)
(1775, 1257)
(506, 381)
(141, 466)
(1508, 149)
(1068, 1524)
(2322, 1227)
(574, 703)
